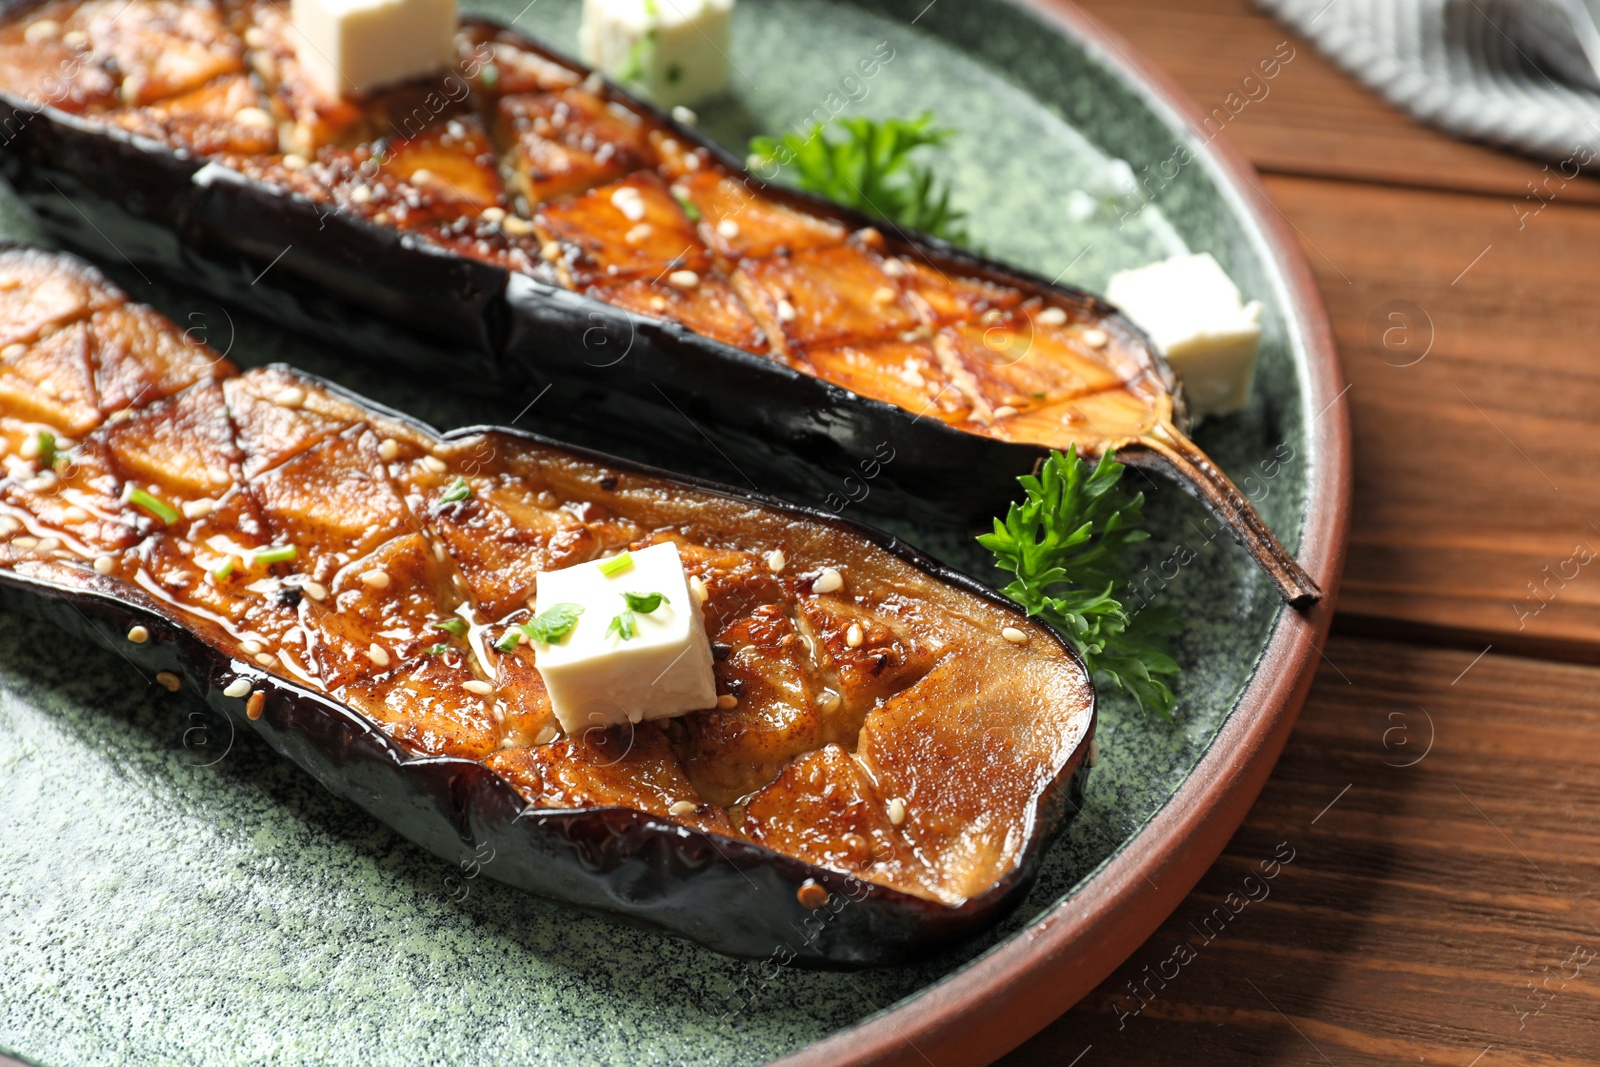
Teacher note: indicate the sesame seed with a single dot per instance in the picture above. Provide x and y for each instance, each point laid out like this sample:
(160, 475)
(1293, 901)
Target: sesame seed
(516, 226)
(829, 581)
(658, 303)
(388, 449)
(1094, 752)
(595, 82)
(421, 176)
(138, 635)
(13, 352)
(104, 565)
(727, 702)
(639, 233)
(1005, 411)
(697, 586)
(40, 483)
(253, 116)
(493, 214)
(897, 811)
(361, 194)
(250, 646)
(628, 201)
(853, 636)
(885, 295)
(682, 807)
(75, 39)
(62, 553)
(26, 542)
(198, 509)
(316, 591)
(483, 689)
(256, 37)
(378, 655)
(1052, 317)
(776, 561)
(49, 544)
(728, 228)
(550, 251)
(1095, 338)
(169, 681)
(291, 397)
(375, 578)
(685, 116)
(42, 31)
(683, 279)
(292, 161)
(1014, 635)
(75, 514)
(547, 735)
(255, 705)
(435, 464)
(894, 268)
(237, 688)
(786, 312)
(438, 551)
(266, 659)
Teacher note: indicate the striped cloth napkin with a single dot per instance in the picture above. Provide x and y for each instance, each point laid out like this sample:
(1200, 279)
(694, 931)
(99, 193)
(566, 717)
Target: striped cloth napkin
(1520, 73)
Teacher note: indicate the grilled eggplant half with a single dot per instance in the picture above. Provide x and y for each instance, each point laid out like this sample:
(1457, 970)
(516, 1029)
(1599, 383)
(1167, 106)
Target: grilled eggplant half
(522, 207)
(894, 748)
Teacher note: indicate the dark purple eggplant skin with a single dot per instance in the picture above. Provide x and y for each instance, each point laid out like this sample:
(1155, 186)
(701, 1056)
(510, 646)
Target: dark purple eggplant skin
(347, 279)
(730, 895)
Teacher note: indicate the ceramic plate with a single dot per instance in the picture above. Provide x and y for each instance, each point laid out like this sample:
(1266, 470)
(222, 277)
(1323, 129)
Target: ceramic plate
(172, 893)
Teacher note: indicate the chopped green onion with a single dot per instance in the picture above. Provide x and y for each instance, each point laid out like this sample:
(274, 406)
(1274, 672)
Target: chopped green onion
(459, 490)
(510, 641)
(623, 626)
(222, 572)
(616, 564)
(437, 650)
(553, 624)
(275, 554)
(152, 504)
(689, 210)
(47, 450)
(453, 627)
(645, 602)
(490, 76)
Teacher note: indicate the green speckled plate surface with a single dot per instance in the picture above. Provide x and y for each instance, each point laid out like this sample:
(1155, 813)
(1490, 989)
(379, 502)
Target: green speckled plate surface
(171, 893)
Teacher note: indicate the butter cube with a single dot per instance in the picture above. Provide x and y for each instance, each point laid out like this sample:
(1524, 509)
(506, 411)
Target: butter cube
(596, 674)
(353, 47)
(673, 51)
(1194, 313)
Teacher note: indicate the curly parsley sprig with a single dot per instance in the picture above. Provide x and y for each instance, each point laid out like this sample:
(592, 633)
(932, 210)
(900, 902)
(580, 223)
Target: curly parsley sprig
(871, 169)
(1064, 543)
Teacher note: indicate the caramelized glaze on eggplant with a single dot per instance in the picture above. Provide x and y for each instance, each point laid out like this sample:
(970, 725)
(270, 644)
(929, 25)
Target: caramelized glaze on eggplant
(897, 728)
(520, 159)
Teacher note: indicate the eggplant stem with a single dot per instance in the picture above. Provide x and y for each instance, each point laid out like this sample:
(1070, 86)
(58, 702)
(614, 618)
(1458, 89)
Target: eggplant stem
(1168, 447)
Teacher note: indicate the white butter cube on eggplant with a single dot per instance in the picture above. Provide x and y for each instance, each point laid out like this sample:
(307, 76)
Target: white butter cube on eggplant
(638, 649)
(353, 47)
(673, 51)
(1194, 313)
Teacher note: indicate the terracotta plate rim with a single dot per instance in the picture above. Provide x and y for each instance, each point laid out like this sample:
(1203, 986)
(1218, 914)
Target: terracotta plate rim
(1010, 993)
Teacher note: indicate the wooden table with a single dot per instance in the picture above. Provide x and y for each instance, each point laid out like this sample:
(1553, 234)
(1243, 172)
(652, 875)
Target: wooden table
(1441, 794)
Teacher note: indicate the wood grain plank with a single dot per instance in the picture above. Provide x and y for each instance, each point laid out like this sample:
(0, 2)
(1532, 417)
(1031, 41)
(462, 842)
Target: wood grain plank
(1311, 119)
(1468, 339)
(1435, 894)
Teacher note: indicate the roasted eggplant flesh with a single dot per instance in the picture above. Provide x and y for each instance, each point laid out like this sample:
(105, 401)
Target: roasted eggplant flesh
(518, 160)
(890, 723)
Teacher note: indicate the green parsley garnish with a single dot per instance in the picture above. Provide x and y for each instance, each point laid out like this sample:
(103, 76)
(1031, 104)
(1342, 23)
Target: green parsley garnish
(552, 624)
(154, 505)
(508, 643)
(645, 602)
(459, 490)
(438, 650)
(222, 572)
(276, 554)
(690, 212)
(616, 564)
(453, 627)
(489, 77)
(47, 454)
(1064, 543)
(623, 626)
(871, 170)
